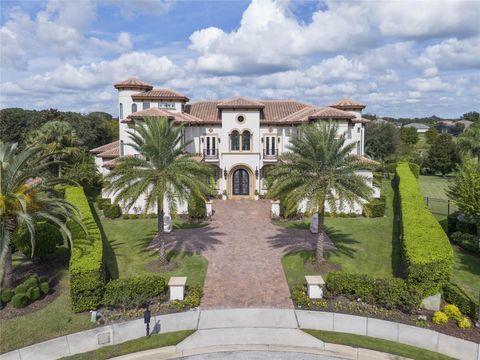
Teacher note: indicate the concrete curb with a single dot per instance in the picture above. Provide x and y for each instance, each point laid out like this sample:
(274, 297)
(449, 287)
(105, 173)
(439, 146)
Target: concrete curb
(248, 318)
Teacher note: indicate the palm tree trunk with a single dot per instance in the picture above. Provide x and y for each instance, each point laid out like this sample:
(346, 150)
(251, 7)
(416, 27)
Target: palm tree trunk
(8, 277)
(161, 232)
(320, 240)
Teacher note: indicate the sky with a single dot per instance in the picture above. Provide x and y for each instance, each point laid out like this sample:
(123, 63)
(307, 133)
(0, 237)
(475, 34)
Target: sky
(400, 58)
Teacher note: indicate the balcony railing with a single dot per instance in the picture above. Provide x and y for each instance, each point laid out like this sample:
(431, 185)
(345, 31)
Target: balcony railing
(270, 154)
(210, 154)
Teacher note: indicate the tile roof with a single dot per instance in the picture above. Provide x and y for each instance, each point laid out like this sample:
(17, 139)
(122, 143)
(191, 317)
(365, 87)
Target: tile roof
(106, 147)
(205, 110)
(133, 83)
(278, 109)
(160, 94)
(154, 112)
(331, 113)
(240, 102)
(347, 104)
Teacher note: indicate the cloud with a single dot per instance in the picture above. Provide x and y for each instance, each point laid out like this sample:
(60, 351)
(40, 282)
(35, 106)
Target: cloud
(132, 9)
(432, 84)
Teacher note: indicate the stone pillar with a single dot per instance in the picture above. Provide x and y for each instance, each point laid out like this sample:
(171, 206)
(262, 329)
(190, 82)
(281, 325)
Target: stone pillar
(176, 285)
(275, 208)
(314, 285)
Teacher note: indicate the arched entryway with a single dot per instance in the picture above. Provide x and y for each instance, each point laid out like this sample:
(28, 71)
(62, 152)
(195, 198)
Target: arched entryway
(241, 182)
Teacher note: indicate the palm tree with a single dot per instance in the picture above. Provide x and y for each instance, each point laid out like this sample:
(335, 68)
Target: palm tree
(469, 142)
(58, 139)
(27, 196)
(164, 171)
(318, 168)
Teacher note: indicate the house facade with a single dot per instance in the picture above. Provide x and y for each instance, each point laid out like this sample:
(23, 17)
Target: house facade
(240, 138)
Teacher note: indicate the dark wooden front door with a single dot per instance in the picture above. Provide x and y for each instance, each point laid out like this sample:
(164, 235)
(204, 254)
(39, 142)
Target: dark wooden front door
(240, 182)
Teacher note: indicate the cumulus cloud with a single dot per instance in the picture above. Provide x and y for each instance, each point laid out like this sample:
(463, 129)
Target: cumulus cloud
(432, 84)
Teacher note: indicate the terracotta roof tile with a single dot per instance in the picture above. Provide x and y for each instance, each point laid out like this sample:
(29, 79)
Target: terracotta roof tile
(154, 112)
(106, 147)
(276, 110)
(160, 94)
(240, 102)
(205, 110)
(330, 113)
(347, 104)
(133, 83)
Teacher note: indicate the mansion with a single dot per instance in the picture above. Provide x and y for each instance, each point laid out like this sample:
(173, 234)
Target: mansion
(240, 137)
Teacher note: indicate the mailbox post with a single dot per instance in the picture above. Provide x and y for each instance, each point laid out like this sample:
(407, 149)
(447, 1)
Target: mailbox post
(146, 319)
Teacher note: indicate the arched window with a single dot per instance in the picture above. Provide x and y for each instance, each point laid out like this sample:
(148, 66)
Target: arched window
(246, 140)
(134, 107)
(235, 141)
(121, 111)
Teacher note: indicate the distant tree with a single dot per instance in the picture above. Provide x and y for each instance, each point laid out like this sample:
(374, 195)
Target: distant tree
(369, 116)
(472, 116)
(381, 140)
(465, 191)
(409, 135)
(83, 171)
(469, 142)
(442, 156)
(58, 139)
(457, 129)
(431, 135)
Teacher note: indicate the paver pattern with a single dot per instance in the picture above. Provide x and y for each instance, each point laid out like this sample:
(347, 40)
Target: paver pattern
(244, 251)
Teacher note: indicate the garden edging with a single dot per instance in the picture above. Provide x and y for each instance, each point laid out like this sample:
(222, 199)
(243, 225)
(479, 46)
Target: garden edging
(275, 318)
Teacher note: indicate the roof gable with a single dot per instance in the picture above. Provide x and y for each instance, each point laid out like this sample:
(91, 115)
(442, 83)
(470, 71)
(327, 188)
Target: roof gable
(160, 94)
(240, 102)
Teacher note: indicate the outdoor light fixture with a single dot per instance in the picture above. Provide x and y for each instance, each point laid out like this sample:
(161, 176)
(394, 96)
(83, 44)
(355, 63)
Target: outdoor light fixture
(225, 173)
(256, 173)
(146, 319)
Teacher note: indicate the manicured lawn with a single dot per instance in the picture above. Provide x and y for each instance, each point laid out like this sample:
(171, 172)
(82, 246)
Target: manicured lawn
(132, 346)
(434, 186)
(366, 342)
(127, 253)
(364, 245)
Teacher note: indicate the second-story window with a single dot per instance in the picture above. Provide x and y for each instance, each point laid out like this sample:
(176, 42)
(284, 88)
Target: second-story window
(246, 140)
(146, 105)
(235, 141)
(134, 107)
(270, 145)
(121, 111)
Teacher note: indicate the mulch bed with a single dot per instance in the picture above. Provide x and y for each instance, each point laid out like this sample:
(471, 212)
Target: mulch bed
(50, 267)
(343, 305)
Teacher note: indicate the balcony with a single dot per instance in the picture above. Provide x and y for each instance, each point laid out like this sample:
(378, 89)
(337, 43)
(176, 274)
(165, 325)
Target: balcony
(210, 155)
(270, 154)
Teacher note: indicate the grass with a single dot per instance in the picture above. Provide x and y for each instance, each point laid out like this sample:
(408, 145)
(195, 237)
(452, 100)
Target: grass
(364, 245)
(133, 346)
(366, 342)
(128, 253)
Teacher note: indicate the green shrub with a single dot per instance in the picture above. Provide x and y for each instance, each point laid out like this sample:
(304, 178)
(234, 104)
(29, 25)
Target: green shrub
(103, 203)
(375, 208)
(196, 207)
(453, 294)
(467, 242)
(43, 278)
(47, 239)
(19, 301)
(6, 295)
(21, 289)
(33, 293)
(112, 211)
(44, 287)
(194, 295)
(452, 222)
(32, 281)
(440, 317)
(135, 291)
(125, 216)
(466, 227)
(134, 216)
(464, 323)
(452, 311)
(426, 249)
(87, 272)
(152, 216)
(415, 169)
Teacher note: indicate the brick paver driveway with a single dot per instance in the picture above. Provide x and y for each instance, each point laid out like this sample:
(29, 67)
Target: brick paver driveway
(243, 249)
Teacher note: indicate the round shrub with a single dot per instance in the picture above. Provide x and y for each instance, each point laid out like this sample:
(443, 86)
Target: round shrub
(43, 278)
(196, 207)
(47, 238)
(452, 311)
(6, 295)
(112, 211)
(103, 203)
(31, 282)
(440, 317)
(21, 289)
(125, 216)
(33, 293)
(19, 301)
(44, 287)
(464, 323)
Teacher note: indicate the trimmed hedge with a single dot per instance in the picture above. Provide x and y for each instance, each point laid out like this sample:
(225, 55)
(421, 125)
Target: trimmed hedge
(135, 291)
(453, 294)
(426, 250)
(375, 208)
(87, 271)
(112, 211)
(387, 292)
(6, 295)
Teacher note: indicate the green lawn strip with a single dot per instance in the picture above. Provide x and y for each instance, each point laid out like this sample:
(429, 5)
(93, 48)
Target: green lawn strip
(55, 319)
(364, 245)
(129, 240)
(367, 342)
(434, 186)
(466, 271)
(133, 346)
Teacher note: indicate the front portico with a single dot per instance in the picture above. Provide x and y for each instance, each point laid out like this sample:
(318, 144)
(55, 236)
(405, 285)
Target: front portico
(241, 182)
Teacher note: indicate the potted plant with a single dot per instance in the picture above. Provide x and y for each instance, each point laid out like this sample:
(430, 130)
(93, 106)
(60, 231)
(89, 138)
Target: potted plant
(224, 195)
(257, 195)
